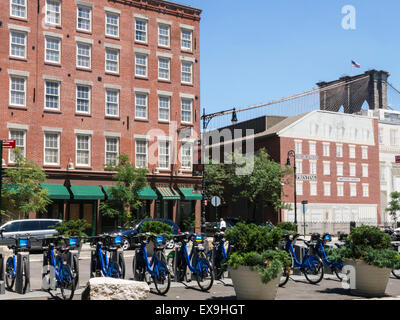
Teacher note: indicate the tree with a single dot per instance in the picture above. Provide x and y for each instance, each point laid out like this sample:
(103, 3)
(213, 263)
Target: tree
(21, 190)
(217, 180)
(394, 206)
(124, 197)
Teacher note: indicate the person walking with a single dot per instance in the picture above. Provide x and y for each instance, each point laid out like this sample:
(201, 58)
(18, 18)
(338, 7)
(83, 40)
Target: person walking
(222, 224)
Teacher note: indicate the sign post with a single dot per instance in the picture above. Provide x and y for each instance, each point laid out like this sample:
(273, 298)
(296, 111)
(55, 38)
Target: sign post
(216, 202)
(6, 144)
(304, 203)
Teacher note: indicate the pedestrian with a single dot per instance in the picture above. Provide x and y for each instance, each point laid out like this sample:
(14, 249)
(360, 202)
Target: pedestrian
(222, 224)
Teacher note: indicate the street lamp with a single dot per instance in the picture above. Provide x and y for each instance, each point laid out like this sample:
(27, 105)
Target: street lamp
(291, 153)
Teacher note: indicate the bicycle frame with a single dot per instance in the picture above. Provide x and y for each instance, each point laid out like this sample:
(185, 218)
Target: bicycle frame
(324, 257)
(183, 251)
(53, 262)
(289, 248)
(104, 261)
(144, 256)
(14, 271)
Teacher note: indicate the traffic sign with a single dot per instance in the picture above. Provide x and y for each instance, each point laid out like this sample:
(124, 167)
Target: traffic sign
(216, 201)
(9, 144)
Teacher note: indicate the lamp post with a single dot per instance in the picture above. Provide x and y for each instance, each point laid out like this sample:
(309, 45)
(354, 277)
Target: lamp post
(291, 153)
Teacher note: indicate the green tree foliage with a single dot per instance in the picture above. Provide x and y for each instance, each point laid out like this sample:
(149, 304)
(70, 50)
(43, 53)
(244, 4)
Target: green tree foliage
(287, 226)
(394, 206)
(217, 180)
(155, 227)
(72, 228)
(124, 195)
(21, 190)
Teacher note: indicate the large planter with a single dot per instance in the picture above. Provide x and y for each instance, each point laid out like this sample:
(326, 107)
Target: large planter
(249, 286)
(369, 280)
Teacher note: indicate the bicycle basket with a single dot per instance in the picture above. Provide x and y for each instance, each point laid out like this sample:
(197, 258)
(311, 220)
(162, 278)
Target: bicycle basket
(159, 240)
(327, 237)
(23, 243)
(315, 236)
(73, 241)
(199, 239)
(117, 240)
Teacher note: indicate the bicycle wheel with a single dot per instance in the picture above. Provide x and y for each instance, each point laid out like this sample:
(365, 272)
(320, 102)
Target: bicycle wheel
(338, 272)
(218, 266)
(121, 262)
(114, 270)
(25, 274)
(138, 268)
(396, 273)
(314, 272)
(75, 270)
(162, 279)
(204, 272)
(10, 279)
(180, 267)
(66, 282)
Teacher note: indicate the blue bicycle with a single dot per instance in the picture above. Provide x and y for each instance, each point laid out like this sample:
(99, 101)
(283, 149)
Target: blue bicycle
(311, 265)
(196, 261)
(21, 244)
(219, 255)
(103, 264)
(157, 268)
(336, 267)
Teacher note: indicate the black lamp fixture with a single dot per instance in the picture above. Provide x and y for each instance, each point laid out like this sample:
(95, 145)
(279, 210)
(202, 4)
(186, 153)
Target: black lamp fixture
(234, 117)
(291, 153)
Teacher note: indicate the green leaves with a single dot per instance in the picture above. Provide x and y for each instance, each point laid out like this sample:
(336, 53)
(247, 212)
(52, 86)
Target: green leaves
(72, 228)
(394, 206)
(155, 227)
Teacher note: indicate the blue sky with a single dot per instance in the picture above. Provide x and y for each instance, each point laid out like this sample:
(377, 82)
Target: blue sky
(260, 50)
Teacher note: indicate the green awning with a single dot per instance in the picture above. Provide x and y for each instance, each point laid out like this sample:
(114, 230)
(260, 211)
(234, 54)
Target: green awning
(189, 194)
(56, 191)
(168, 193)
(87, 193)
(144, 194)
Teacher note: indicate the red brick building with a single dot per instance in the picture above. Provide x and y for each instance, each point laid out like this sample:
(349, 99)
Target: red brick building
(86, 81)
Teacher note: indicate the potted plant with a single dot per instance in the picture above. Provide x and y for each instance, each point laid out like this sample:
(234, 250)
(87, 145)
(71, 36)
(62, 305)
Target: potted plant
(369, 251)
(256, 263)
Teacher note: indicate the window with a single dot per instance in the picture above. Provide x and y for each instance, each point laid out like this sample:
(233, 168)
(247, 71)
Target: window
(141, 105)
(187, 110)
(364, 153)
(53, 12)
(18, 8)
(365, 170)
(353, 190)
(163, 108)
(83, 55)
(112, 60)
(141, 153)
(83, 99)
(53, 50)
(17, 91)
(327, 168)
(365, 188)
(394, 139)
(313, 167)
(18, 44)
(327, 189)
(82, 150)
(339, 150)
(186, 72)
(313, 149)
(186, 40)
(326, 149)
(313, 188)
(340, 189)
(352, 167)
(382, 170)
(339, 169)
(51, 148)
(112, 150)
(52, 98)
(112, 103)
(299, 166)
(163, 35)
(299, 188)
(112, 24)
(380, 136)
(352, 152)
(141, 30)
(186, 150)
(163, 154)
(84, 18)
(20, 142)
(298, 147)
(163, 68)
(141, 65)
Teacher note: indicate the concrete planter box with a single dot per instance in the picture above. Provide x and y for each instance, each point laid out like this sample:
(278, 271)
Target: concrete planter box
(370, 280)
(248, 284)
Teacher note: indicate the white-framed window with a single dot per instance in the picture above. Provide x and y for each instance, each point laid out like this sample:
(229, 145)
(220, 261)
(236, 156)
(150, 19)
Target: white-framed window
(365, 170)
(83, 150)
(83, 55)
(53, 50)
(394, 137)
(186, 110)
(339, 169)
(187, 155)
(141, 30)
(382, 169)
(327, 189)
(163, 68)
(112, 150)
(353, 190)
(299, 188)
(352, 167)
(18, 91)
(112, 102)
(298, 146)
(380, 135)
(313, 166)
(141, 105)
(299, 166)
(163, 108)
(327, 168)
(52, 97)
(51, 148)
(18, 8)
(112, 60)
(163, 154)
(313, 148)
(352, 152)
(84, 18)
(326, 149)
(164, 35)
(83, 98)
(186, 72)
(141, 65)
(340, 189)
(20, 142)
(339, 151)
(18, 44)
(364, 153)
(365, 190)
(141, 153)
(186, 39)
(112, 24)
(313, 188)
(53, 12)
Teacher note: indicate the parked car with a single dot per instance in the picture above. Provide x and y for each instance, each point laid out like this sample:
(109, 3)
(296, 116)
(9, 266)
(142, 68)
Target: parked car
(39, 228)
(211, 226)
(137, 229)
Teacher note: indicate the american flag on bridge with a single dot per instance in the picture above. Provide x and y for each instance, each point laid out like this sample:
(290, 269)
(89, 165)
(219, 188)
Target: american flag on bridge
(355, 64)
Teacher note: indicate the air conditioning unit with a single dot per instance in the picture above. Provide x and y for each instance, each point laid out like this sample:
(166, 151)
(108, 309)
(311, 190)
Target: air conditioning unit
(70, 166)
(156, 171)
